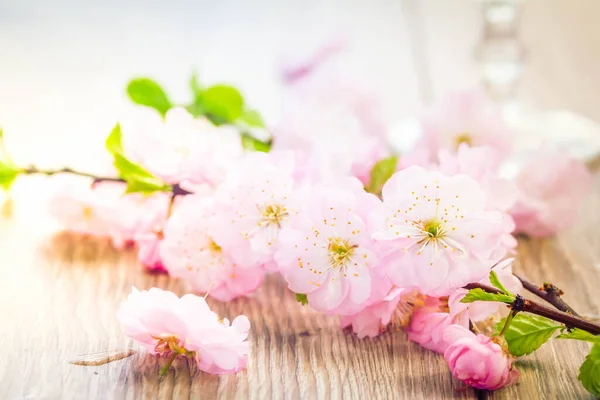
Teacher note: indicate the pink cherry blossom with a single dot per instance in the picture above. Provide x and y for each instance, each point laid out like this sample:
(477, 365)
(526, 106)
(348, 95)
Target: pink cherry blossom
(255, 202)
(464, 117)
(327, 252)
(181, 148)
(429, 321)
(441, 233)
(190, 252)
(551, 190)
(477, 360)
(149, 233)
(83, 208)
(373, 319)
(168, 325)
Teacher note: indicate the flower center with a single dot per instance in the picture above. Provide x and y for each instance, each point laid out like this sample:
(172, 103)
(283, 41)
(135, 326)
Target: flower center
(88, 212)
(463, 137)
(433, 228)
(213, 246)
(340, 252)
(273, 214)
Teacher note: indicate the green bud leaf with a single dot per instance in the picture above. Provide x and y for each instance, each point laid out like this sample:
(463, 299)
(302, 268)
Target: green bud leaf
(8, 174)
(254, 144)
(380, 173)
(195, 84)
(301, 298)
(527, 333)
(495, 281)
(221, 103)
(148, 93)
(138, 179)
(589, 373)
(481, 295)
(252, 119)
(578, 334)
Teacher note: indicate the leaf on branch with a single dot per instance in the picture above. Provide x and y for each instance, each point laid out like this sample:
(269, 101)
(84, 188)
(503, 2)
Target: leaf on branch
(495, 281)
(527, 333)
(579, 334)
(301, 298)
(220, 103)
(148, 93)
(380, 173)
(481, 295)
(251, 143)
(138, 179)
(8, 169)
(589, 373)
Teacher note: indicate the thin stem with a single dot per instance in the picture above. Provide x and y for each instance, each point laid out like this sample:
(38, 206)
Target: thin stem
(532, 307)
(549, 293)
(165, 369)
(509, 319)
(34, 170)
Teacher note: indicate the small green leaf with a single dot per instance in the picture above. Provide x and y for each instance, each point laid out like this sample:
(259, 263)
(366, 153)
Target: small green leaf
(481, 295)
(138, 179)
(579, 334)
(495, 281)
(253, 144)
(301, 298)
(222, 101)
(252, 119)
(8, 174)
(589, 373)
(527, 333)
(381, 172)
(148, 93)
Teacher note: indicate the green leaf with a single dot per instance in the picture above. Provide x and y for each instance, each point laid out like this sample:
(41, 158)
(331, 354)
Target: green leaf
(253, 144)
(589, 373)
(381, 172)
(222, 101)
(495, 281)
(481, 295)
(138, 179)
(148, 93)
(252, 119)
(301, 298)
(195, 84)
(8, 174)
(579, 334)
(527, 333)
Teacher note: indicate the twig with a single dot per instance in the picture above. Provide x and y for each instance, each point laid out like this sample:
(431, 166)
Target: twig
(521, 304)
(549, 293)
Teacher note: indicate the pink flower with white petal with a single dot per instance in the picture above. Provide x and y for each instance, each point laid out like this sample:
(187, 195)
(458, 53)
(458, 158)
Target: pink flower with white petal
(429, 321)
(440, 230)
(255, 202)
(477, 360)
(168, 325)
(464, 117)
(189, 251)
(181, 147)
(327, 252)
(84, 208)
(551, 190)
(148, 234)
(373, 319)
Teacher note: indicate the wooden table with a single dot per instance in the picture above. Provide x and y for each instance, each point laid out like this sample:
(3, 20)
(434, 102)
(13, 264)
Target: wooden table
(59, 293)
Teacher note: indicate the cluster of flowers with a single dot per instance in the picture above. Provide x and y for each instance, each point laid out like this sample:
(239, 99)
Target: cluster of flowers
(443, 219)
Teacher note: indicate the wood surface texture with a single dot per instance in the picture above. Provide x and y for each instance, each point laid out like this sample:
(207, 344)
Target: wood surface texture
(59, 293)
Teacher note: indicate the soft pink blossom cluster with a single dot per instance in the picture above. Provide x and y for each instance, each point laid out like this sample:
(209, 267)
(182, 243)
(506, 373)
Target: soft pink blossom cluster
(302, 211)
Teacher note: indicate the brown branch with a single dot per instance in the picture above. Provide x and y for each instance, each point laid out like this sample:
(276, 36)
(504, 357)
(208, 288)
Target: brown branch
(532, 307)
(549, 293)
